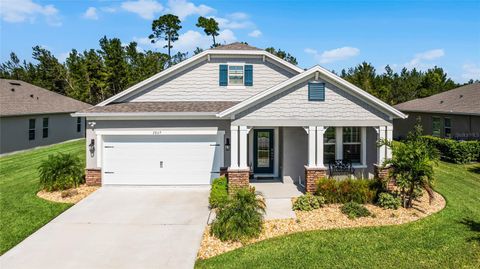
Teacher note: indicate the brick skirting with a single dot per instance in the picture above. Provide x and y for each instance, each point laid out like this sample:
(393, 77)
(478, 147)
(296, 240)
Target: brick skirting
(238, 178)
(93, 177)
(382, 173)
(312, 174)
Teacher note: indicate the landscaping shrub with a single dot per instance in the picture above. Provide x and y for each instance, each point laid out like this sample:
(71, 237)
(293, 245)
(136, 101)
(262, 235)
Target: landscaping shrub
(241, 217)
(348, 190)
(308, 202)
(60, 172)
(218, 193)
(355, 210)
(387, 200)
(455, 151)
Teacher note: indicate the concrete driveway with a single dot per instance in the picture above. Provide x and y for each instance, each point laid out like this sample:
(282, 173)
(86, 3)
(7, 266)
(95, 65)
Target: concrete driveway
(120, 227)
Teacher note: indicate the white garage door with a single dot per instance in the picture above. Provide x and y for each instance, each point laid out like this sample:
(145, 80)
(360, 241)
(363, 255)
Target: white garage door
(162, 159)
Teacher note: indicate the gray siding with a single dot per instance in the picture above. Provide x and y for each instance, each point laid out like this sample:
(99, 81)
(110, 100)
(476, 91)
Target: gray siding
(292, 105)
(294, 152)
(200, 82)
(116, 124)
(14, 131)
(460, 124)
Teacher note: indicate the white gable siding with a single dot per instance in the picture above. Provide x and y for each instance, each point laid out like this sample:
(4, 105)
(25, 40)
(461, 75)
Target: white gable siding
(293, 105)
(201, 82)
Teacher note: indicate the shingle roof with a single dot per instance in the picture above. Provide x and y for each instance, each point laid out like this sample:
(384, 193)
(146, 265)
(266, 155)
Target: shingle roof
(148, 107)
(236, 46)
(21, 98)
(462, 100)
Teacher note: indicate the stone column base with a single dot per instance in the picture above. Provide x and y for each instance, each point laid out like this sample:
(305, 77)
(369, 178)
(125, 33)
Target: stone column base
(312, 174)
(383, 174)
(93, 177)
(237, 178)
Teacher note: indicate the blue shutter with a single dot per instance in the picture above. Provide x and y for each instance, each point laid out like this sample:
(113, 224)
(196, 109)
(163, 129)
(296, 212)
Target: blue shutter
(248, 75)
(223, 78)
(316, 91)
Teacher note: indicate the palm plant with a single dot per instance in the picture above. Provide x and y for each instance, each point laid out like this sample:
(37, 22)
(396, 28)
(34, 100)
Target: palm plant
(412, 163)
(241, 218)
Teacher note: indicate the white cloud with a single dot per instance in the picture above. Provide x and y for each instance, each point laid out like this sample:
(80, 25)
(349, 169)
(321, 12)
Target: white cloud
(183, 9)
(15, 11)
(144, 8)
(91, 14)
(333, 55)
(255, 33)
(109, 9)
(191, 39)
(471, 71)
(418, 60)
(238, 16)
(236, 20)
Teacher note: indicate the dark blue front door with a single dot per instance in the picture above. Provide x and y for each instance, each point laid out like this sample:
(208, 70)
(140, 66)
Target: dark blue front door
(263, 155)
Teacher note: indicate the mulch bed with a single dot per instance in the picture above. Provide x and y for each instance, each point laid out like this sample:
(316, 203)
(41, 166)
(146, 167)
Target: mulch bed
(71, 196)
(327, 217)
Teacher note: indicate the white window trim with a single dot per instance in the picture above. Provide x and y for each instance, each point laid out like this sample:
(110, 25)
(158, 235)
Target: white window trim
(234, 87)
(339, 145)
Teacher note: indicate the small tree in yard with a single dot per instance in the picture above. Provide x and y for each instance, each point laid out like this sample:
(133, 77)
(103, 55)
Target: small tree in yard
(241, 218)
(412, 163)
(60, 172)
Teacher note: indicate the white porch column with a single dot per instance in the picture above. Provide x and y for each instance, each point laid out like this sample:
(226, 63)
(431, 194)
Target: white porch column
(339, 143)
(234, 146)
(363, 136)
(388, 150)
(311, 146)
(243, 146)
(381, 149)
(320, 132)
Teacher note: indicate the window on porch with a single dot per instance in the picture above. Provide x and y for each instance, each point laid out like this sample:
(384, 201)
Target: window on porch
(352, 144)
(329, 145)
(346, 143)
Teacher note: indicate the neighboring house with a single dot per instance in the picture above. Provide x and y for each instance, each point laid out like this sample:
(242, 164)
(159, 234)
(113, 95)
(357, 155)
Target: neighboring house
(239, 107)
(31, 116)
(451, 114)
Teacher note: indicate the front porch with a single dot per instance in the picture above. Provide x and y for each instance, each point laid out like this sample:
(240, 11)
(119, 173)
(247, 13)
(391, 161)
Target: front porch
(296, 156)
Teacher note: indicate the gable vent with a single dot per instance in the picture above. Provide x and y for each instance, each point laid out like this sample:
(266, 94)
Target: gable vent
(316, 91)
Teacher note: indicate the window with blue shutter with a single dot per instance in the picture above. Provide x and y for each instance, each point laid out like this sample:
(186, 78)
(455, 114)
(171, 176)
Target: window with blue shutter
(223, 78)
(316, 91)
(248, 75)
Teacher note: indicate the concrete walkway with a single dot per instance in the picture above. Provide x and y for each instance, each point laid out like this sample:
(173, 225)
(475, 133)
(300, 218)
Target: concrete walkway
(120, 227)
(278, 197)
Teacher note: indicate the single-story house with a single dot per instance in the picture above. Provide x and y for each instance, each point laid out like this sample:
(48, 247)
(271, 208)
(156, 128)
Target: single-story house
(450, 114)
(239, 109)
(31, 116)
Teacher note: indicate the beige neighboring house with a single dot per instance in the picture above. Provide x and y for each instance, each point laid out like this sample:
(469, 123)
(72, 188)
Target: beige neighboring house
(451, 114)
(31, 116)
(239, 110)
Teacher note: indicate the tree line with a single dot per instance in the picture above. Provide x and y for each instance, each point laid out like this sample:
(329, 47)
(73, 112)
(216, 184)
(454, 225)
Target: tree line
(94, 75)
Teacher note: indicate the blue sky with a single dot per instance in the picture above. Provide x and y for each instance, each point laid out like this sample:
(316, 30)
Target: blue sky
(334, 34)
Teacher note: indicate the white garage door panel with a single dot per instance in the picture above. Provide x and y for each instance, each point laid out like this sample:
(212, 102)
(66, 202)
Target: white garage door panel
(162, 160)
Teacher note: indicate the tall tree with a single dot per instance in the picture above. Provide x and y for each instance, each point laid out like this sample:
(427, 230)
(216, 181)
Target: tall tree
(116, 67)
(166, 27)
(283, 55)
(210, 27)
(50, 73)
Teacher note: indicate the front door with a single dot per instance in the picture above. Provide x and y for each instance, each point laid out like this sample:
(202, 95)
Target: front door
(263, 155)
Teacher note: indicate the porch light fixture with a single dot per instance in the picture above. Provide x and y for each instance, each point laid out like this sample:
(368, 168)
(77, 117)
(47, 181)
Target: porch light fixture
(91, 147)
(227, 144)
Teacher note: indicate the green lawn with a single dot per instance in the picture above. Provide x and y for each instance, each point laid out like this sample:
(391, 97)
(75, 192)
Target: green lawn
(22, 212)
(448, 239)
